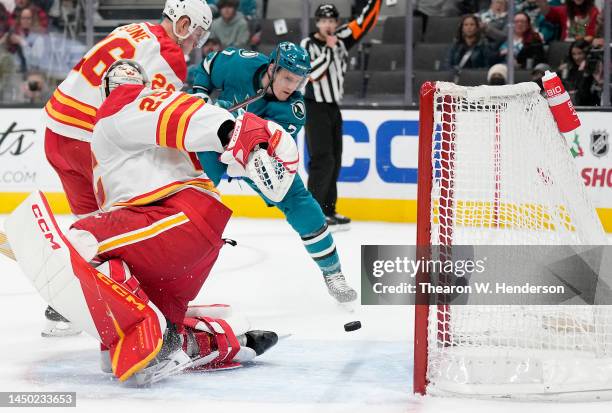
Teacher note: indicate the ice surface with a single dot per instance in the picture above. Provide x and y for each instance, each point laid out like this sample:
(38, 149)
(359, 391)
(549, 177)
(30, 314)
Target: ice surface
(269, 277)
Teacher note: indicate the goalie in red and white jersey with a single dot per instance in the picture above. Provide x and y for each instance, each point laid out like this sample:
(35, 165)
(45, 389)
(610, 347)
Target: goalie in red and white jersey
(160, 233)
(71, 112)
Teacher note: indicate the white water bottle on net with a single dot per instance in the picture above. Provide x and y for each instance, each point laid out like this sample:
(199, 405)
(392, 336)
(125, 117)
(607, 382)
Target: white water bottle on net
(494, 170)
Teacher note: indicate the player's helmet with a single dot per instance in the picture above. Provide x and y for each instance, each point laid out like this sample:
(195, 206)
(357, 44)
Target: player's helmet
(328, 11)
(291, 57)
(198, 12)
(122, 72)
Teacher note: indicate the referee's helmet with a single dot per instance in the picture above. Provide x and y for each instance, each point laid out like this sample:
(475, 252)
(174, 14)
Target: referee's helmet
(327, 10)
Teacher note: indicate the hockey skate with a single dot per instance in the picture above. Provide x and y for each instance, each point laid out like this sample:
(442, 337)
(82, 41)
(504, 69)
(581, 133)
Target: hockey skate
(58, 325)
(339, 289)
(170, 360)
(338, 222)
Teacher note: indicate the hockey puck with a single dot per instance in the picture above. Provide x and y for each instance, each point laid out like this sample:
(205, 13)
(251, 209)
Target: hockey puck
(352, 326)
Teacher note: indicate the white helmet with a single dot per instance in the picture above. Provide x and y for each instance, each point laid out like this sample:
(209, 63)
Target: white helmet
(122, 72)
(198, 12)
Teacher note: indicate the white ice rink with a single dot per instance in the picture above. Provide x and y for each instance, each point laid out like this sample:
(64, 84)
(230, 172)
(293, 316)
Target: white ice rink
(269, 277)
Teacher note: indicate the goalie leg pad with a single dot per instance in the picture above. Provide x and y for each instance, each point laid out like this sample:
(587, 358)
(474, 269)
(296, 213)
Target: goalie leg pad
(223, 311)
(213, 344)
(130, 328)
(169, 248)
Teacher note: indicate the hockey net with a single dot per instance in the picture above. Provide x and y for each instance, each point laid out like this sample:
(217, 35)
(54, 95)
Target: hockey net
(494, 170)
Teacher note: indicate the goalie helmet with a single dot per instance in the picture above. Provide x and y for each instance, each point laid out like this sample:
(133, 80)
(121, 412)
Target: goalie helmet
(199, 14)
(122, 72)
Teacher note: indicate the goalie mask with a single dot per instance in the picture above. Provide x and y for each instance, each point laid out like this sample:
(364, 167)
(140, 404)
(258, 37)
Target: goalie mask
(120, 73)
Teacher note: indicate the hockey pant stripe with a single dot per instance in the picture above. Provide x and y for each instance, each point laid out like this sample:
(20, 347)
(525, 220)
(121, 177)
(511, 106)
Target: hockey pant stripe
(142, 234)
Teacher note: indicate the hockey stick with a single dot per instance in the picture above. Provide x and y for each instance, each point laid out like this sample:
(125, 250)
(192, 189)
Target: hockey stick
(5, 248)
(261, 92)
(249, 100)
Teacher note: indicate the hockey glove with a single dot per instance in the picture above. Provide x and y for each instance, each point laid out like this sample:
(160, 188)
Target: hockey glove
(264, 152)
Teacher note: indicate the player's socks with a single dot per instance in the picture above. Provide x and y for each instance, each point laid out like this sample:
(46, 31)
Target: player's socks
(322, 249)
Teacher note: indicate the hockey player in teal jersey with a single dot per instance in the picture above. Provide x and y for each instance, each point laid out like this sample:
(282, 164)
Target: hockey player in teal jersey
(237, 74)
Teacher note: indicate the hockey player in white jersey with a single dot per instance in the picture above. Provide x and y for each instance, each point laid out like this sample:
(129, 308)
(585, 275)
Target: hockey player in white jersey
(160, 233)
(72, 109)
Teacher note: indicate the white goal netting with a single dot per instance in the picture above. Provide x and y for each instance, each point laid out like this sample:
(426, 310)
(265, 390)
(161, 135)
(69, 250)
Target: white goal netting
(503, 175)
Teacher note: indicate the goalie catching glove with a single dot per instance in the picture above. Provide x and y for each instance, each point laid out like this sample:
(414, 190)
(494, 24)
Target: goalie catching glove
(264, 152)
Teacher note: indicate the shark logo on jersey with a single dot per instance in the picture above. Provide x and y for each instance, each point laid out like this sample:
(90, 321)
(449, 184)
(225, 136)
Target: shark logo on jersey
(298, 109)
(248, 53)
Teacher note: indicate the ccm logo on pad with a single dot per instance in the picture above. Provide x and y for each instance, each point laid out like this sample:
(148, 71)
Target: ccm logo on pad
(122, 292)
(44, 227)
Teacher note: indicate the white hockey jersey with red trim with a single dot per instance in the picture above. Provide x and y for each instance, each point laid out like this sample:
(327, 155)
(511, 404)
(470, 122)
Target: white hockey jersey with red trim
(71, 111)
(142, 143)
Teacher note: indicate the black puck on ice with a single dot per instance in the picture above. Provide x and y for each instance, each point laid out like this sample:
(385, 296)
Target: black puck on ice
(352, 326)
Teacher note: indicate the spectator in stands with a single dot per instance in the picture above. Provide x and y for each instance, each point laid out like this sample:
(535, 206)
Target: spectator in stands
(34, 89)
(211, 45)
(470, 49)
(592, 96)
(527, 48)
(47, 4)
(41, 17)
(231, 28)
(497, 75)
(7, 68)
(599, 41)
(548, 30)
(4, 19)
(578, 76)
(494, 22)
(538, 73)
(248, 8)
(25, 41)
(577, 19)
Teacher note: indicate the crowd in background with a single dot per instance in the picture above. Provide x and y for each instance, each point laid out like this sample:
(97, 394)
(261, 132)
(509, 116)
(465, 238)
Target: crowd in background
(480, 43)
(21, 30)
(481, 40)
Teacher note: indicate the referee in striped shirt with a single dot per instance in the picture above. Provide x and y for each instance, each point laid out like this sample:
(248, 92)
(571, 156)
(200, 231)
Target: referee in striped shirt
(328, 49)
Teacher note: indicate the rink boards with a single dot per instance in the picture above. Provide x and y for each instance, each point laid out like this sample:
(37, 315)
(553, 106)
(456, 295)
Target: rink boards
(377, 181)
